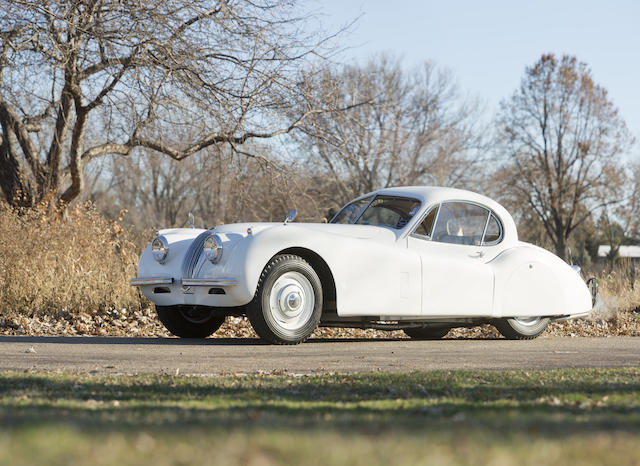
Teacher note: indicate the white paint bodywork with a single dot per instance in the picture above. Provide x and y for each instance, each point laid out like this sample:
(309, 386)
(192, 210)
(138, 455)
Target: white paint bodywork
(384, 273)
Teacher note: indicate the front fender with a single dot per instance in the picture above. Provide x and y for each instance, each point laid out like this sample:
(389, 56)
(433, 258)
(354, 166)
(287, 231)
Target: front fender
(373, 276)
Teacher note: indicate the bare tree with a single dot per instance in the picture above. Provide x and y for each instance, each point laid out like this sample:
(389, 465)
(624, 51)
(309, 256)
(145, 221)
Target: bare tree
(158, 191)
(83, 79)
(217, 185)
(562, 137)
(409, 128)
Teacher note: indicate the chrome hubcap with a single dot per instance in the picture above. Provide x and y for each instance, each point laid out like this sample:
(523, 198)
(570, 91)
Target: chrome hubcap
(527, 321)
(291, 300)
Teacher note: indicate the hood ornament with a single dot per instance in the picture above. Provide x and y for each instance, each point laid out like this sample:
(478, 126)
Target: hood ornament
(290, 216)
(190, 220)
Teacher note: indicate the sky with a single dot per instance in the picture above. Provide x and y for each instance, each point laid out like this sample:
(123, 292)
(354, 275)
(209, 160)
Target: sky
(488, 44)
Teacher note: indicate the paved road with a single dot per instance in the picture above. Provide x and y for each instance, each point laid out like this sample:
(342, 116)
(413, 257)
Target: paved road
(214, 356)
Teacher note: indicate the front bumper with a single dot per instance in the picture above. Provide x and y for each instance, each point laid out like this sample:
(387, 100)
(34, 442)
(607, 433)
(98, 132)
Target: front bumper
(184, 282)
(213, 292)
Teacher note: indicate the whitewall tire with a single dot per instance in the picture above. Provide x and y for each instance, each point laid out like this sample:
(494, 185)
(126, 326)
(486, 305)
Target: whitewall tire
(287, 306)
(522, 328)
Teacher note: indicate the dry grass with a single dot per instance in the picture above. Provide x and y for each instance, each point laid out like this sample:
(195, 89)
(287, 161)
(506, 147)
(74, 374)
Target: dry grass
(64, 265)
(622, 286)
(69, 276)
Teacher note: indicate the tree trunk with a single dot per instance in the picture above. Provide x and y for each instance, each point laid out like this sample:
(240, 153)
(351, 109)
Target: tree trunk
(560, 244)
(15, 187)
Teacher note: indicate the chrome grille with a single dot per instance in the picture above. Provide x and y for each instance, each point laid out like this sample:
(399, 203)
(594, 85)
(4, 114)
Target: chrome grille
(193, 254)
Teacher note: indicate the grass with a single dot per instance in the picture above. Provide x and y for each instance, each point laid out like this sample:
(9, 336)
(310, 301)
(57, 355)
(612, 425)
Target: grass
(574, 416)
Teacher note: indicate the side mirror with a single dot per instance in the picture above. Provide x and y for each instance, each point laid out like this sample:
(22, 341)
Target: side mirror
(290, 216)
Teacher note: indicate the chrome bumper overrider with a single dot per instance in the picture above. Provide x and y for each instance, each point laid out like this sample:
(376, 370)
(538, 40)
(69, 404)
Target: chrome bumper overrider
(184, 281)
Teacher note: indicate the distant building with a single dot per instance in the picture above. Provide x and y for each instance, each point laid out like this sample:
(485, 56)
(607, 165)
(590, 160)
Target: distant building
(628, 252)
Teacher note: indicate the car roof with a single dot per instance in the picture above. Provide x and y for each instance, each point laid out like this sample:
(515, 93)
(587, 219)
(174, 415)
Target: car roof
(431, 193)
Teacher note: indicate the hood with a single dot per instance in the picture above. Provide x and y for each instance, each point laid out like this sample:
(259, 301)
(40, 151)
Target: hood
(351, 231)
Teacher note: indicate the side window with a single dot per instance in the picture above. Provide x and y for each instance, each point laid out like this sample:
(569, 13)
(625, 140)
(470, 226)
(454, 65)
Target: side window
(426, 226)
(494, 231)
(460, 223)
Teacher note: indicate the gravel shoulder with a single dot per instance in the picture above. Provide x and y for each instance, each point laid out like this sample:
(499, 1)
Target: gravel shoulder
(117, 355)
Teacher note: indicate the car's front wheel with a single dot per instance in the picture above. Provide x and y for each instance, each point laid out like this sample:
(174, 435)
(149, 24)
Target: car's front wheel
(287, 305)
(426, 333)
(188, 322)
(522, 328)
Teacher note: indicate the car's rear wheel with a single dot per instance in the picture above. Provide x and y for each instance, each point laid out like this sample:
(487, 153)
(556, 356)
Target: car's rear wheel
(287, 306)
(426, 333)
(522, 328)
(189, 322)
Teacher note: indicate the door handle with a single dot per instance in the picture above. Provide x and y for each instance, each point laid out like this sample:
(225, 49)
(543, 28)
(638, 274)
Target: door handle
(477, 255)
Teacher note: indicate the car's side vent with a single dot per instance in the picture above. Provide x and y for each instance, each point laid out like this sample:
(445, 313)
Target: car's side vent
(161, 289)
(193, 254)
(217, 291)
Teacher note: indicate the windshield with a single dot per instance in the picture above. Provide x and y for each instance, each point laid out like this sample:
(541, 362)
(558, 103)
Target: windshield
(388, 211)
(351, 212)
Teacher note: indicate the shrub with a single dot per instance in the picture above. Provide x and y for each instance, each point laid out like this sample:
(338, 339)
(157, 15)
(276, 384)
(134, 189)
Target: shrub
(62, 265)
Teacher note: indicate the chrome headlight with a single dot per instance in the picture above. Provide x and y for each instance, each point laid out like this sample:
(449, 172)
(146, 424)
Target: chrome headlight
(160, 248)
(213, 248)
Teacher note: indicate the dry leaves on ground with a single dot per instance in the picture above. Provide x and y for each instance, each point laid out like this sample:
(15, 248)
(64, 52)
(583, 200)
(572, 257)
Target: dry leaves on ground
(144, 323)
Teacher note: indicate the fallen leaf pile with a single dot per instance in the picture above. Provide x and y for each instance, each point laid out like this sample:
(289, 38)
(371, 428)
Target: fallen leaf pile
(144, 323)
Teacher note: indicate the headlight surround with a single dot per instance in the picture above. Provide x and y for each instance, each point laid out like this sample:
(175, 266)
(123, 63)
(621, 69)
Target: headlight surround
(212, 248)
(160, 248)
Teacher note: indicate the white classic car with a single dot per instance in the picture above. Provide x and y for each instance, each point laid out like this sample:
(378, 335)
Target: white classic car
(420, 259)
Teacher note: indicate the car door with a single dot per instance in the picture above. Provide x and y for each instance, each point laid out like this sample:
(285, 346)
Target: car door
(455, 242)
